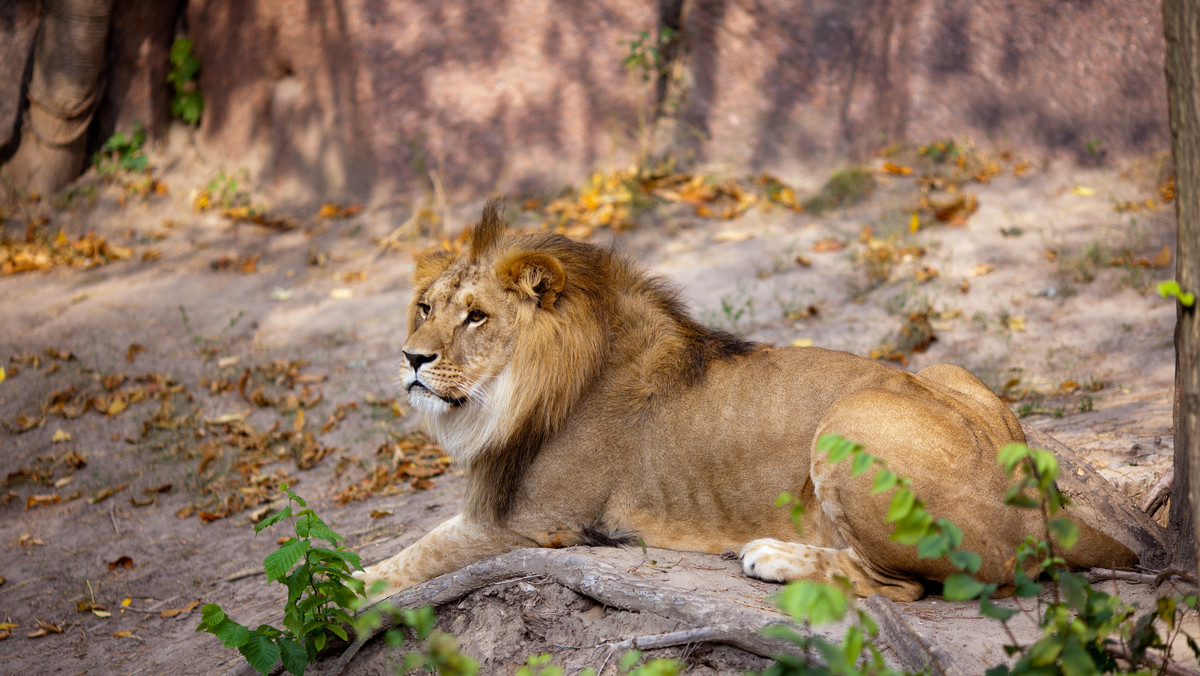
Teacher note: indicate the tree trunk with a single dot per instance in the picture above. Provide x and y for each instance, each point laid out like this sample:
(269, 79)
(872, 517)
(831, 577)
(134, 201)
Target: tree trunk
(63, 92)
(1181, 23)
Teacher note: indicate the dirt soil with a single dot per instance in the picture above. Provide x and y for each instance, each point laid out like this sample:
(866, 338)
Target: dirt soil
(152, 404)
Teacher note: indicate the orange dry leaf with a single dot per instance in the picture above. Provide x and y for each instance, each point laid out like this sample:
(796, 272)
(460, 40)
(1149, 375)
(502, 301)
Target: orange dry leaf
(133, 351)
(172, 612)
(896, 170)
(41, 500)
(830, 243)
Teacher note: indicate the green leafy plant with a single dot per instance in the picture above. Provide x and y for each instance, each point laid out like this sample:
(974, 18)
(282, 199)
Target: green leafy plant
(122, 153)
(645, 54)
(320, 591)
(1171, 288)
(811, 604)
(844, 188)
(1086, 631)
(188, 103)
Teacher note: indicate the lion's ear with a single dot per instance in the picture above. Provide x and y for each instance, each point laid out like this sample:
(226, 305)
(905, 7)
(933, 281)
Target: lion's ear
(430, 264)
(537, 275)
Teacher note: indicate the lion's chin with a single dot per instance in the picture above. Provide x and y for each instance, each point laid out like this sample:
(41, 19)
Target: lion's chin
(419, 395)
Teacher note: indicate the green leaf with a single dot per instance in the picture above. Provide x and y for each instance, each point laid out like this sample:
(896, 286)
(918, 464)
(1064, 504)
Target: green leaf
(861, 463)
(273, 519)
(914, 526)
(1066, 530)
(902, 502)
(346, 558)
(279, 562)
(1045, 652)
(816, 603)
(1076, 661)
(961, 587)
(261, 652)
(1075, 590)
(210, 616)
(933, 546)
(953, 532)
(837, 446)
(293, 496)
(853, 645)
(884, 480)
(965, 560)
(294, 656)
(783, 499)
(310, 525)
(232, 634)
(1046, 465)
(629, 659)
(1011, 454)
(1000, 670)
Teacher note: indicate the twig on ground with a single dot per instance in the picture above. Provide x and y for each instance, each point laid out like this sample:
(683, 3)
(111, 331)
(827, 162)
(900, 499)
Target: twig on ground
(1158, 495)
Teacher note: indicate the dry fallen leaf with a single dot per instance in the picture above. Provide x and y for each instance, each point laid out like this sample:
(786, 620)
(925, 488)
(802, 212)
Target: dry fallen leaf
(982, 269)
(45, 629)
(60, 436)
(125, 633)
(6, 629)
(122, 562)
(41, 500)
(380, 513)
(1083, 190)
(1163, 259)
(732, 236)
(27, 540)
(172, 612)
(830, 243)
(1015, 323)
(106, 493)
(896, 169)
(341, 294)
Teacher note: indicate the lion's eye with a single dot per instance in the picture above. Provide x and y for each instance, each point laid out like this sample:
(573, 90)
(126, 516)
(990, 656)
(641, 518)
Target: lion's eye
(475, 316)
(422, 310)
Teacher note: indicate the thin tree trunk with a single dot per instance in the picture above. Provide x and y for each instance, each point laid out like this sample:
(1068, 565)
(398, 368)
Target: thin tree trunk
(63, 93)
(1181, 23)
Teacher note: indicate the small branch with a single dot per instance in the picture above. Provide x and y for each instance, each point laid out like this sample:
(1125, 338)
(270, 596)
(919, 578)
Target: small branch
(1158, 495)
(1157, 660)
(673, 638)
(1153, 578)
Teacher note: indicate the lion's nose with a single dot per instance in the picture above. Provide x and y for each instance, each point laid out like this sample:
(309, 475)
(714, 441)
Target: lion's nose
(416, 359)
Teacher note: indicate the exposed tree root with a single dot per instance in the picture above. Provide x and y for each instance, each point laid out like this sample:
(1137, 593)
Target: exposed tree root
(713, 619)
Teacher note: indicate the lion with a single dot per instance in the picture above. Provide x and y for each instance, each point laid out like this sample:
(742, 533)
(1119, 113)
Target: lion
(587, 407)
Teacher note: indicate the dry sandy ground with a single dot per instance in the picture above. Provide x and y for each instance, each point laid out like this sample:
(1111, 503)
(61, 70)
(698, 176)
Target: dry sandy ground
(1025, 294)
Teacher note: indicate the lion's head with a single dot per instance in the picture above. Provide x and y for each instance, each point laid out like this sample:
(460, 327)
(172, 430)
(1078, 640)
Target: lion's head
(505, 338)
(502, 338)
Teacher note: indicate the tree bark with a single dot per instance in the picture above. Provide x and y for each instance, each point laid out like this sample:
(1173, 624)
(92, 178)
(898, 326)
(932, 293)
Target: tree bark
(63, 92)
(1181, 24)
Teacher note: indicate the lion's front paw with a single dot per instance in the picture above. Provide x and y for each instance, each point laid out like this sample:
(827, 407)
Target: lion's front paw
(767, 559)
